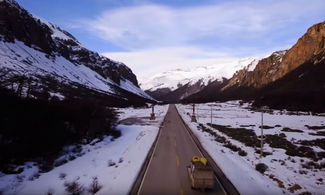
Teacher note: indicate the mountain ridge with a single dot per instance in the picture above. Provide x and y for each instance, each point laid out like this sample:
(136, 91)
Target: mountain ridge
(177, 84)
(282, 62)
(290, 79)
(34, 45)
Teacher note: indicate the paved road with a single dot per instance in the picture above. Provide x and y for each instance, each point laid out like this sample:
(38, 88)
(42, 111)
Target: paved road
(166, 172)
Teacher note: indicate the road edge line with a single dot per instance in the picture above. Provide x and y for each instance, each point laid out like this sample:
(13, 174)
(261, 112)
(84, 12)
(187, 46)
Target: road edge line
(137, 184)
(190, 133)
(221, 177)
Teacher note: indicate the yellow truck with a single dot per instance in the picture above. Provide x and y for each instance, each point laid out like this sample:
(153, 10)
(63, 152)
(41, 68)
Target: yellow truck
(201, 174)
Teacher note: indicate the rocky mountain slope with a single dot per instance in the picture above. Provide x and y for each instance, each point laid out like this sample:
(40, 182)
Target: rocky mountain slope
(35, 53)
(258, 75)
(301, 89)
(291, 79)
(280, 63)
(183, 91)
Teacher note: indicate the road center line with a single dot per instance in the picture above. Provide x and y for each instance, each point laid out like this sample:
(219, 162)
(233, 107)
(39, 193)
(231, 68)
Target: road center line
(175, 143)
(177, 161)
(182, 192)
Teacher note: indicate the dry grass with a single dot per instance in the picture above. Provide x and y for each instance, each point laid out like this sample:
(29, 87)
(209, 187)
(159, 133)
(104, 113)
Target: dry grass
(73, 188)
(94, 186)
(294, 188)
(280, 183)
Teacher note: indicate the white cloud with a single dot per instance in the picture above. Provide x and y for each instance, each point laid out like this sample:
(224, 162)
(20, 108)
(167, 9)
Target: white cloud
(153, 26)
(145, 63)
(157, 38)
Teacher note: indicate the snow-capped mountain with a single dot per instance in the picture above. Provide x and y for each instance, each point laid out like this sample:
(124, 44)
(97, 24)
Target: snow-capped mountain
(34, 49)
(173, 79)
(184, 82)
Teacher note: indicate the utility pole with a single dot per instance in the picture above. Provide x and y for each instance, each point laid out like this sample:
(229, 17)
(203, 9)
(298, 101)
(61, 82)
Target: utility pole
(211, 115)
(193, 118)
(152, 115)
(264, 108)
(261, 134)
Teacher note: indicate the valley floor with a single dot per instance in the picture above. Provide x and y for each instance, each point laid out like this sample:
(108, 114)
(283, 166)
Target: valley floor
(294, 153)
(294, 147)
(108, 165)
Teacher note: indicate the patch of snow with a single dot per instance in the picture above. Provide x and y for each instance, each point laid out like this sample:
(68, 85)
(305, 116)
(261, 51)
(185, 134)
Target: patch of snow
(58, 95)
(127, 85)
(252, 65)
(56, 31)
(115, 163)
(241, 169)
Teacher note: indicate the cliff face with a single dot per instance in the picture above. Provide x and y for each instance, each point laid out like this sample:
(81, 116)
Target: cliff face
(258, 76)
(309, 45)
(281, 63)
(301, 89)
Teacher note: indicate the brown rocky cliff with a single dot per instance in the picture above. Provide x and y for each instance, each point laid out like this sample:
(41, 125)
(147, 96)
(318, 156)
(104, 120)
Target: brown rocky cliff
(309, 45)
(262, 74)
(280, 63)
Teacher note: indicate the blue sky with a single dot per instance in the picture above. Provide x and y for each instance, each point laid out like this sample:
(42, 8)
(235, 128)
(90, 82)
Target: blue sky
(156, 35)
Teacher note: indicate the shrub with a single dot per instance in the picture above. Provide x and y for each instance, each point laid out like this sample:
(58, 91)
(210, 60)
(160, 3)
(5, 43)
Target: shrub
(246, 136)
(232, 147)
(278, 141)
(111, 163)
(305, 193)
(94, 186)
(318, 133)
(242, 153)
(62, 176)
(315, 127)
(280, 183)
(312, 165)
(261, 167)
(73, 188)
(317, 142)
(294, 188)
(287, 129)
(222, 139)
(266, 127)
(265, 153)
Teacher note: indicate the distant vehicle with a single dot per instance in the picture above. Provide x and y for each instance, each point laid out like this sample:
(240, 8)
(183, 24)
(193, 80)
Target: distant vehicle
(200, 174)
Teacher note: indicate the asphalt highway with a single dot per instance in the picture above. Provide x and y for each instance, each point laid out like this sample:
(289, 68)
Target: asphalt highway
(166, 172)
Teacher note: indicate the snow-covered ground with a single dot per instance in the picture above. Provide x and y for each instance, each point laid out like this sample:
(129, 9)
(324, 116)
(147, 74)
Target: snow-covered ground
(290, 172)
(114, 164)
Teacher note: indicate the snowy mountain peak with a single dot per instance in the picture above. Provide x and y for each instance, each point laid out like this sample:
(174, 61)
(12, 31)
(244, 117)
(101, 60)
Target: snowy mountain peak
(176, 78)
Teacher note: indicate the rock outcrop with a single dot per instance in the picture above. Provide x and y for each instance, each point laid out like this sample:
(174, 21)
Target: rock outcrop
(281, 63)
